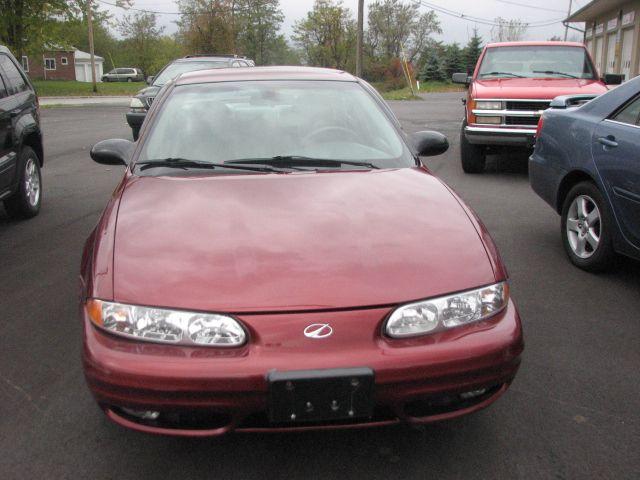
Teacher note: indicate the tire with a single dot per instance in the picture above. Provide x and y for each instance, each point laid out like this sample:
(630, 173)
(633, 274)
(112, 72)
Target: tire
(586, 228)
(135, 132)
(129, 80)
(26, 201)
(472, 157)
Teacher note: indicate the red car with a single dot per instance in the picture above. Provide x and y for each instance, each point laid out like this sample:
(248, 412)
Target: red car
(513, 83)
(276, 257)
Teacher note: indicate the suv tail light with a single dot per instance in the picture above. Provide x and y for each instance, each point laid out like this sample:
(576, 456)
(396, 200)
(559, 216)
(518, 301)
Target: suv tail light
(539, 128)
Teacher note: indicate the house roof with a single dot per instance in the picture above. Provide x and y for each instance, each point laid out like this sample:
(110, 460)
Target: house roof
(84, 56)
(595, 9)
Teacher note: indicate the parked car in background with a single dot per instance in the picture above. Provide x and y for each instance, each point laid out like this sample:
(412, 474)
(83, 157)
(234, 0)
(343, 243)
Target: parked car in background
(124, 75)
(21, 152)
(513, 83)
(586, 165)
(142, 101)
(235, 280)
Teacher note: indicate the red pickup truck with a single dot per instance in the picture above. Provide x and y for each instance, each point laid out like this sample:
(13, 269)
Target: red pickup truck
(513, 83)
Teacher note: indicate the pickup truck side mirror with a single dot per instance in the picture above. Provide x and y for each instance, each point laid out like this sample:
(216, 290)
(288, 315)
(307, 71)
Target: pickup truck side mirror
(462, 78)
(429, 143)
(150, 79)
(116, 151)
(612, 78)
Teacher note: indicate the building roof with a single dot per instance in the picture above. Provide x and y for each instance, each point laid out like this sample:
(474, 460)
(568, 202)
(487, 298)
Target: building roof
(264, 73)
(80, 55)
(594, 9)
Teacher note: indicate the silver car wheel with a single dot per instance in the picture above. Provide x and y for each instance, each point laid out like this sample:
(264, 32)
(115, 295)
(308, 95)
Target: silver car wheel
(584, 226)
(32, 182)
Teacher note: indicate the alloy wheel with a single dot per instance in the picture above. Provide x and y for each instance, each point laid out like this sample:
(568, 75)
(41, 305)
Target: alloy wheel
(584, 226)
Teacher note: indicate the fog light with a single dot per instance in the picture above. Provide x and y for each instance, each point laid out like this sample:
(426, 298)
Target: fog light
(142, 414)
(489, 120)
(473, 394)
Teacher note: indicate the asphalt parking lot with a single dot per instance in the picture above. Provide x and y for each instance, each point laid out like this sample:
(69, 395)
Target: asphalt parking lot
(573, 411)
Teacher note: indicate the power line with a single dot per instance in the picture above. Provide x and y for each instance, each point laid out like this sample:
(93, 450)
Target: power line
(536, 7)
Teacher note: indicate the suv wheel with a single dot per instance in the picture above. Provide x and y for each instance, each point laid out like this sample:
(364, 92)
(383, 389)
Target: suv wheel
(586, 228)
(25, 203)
(473, 157)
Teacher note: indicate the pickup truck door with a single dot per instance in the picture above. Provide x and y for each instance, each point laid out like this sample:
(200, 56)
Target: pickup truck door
(7, 152)
(616, 152)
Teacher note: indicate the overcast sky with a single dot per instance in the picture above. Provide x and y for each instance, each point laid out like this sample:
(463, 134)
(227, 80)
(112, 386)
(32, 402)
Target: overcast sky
(453, 29)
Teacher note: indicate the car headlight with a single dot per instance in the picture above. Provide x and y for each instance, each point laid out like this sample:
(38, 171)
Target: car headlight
(488, 105)
(136, 103)
(166, 326)
(446, 312)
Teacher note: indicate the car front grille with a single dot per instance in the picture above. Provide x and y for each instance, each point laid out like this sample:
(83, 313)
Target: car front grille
(534, 105)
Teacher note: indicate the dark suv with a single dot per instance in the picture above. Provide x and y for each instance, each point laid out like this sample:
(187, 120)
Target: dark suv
(142, 101)
(20, 141)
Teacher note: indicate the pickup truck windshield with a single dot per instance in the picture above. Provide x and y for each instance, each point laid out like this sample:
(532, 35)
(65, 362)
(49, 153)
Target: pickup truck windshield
(533, 61)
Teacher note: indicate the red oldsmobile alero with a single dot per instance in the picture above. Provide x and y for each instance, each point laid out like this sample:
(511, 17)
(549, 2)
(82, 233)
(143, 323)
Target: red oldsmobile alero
(276, 257)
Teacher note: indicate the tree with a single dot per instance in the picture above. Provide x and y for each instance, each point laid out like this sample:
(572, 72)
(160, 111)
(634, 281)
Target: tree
(257, 25)
(327, 35)
(508, 30)
(472, 51)
(453, 60)
(395, 27)
(432, 70)
(207, 26)
(141, 35)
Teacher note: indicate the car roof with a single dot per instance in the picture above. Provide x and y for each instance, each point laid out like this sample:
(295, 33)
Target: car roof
(4, 49)
(264, 73)
(206, 58)
(535, 44)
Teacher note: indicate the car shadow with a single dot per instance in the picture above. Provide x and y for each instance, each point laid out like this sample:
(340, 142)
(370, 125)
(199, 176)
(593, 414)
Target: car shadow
(515, 162)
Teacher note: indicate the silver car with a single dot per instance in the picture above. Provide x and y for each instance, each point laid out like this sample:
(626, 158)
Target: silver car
(124, 75)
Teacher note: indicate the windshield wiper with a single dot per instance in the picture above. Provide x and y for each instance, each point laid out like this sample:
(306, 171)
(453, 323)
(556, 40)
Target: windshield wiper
(501, 73)
(555, 72)
(292, 161)
(185, 164)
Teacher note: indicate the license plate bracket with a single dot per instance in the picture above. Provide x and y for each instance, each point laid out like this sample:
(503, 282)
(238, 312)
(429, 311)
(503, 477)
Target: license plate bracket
(320, 395)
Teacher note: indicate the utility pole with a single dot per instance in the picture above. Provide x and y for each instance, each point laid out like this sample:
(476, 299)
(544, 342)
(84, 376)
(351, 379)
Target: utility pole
(566, 25)
(359, 46)
(93, 58)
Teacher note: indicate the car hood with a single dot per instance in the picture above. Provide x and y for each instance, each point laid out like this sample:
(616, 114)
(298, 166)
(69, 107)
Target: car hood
(242, 243)
(535, 88)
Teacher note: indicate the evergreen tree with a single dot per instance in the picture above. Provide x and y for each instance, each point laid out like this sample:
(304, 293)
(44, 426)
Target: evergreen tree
(472, 51)
(432, 70)
(453, 60)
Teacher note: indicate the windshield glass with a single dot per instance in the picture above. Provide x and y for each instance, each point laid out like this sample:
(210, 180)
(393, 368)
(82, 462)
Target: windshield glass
(178, 68)
(218, 122)
(536, 62)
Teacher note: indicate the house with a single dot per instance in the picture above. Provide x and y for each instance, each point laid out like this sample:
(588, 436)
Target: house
(62, 64)
(612, 35)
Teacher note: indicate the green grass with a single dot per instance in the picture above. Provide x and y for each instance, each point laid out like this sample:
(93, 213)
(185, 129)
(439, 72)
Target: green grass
(69, 88)
(425, 87)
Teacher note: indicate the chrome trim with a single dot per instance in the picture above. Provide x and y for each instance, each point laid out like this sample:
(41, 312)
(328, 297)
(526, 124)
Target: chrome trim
(513, 131)
(507, 113)
(621, 123)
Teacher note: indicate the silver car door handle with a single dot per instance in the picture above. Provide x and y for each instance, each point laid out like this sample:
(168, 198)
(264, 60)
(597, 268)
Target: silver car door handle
(609, 141)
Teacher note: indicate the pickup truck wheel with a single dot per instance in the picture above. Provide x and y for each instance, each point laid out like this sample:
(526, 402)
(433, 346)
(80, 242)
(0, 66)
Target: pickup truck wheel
(586, 228)
(473, 157)
(25, 202)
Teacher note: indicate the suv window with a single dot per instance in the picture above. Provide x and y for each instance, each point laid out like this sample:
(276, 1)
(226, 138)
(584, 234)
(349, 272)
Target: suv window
(16, 82)
(630, 113)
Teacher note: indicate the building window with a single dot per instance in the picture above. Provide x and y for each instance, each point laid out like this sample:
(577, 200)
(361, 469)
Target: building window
(25, 63)
(64, 61)
(49, 63)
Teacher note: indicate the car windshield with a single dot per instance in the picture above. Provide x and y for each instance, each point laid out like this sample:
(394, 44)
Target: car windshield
(536, 62)
(178, 68)
(278, 122)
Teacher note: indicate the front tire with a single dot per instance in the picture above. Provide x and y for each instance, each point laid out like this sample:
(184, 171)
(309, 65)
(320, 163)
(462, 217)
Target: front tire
(586, 228)
(129, 80)
(472, 157)
(25, 203)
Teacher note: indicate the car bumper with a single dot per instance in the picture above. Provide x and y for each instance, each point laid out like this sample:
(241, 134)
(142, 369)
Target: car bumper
(517, 137)
(135, 119)
(416, 381)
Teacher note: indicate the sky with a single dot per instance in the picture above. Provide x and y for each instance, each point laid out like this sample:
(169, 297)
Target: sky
(453, 29)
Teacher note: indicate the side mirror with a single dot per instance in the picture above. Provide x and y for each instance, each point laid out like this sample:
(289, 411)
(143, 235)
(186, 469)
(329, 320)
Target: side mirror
(462, 78)
(429, 143)
(150, 79)
(116, 151)
(613, 78)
